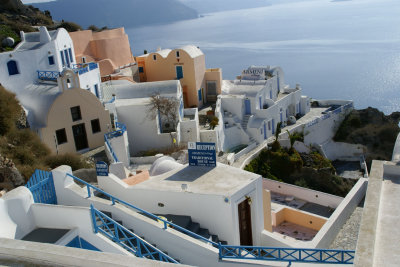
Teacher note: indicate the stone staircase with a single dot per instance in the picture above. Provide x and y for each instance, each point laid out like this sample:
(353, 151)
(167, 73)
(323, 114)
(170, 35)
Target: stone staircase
(132, 245)
(187, 223)
(245, 121)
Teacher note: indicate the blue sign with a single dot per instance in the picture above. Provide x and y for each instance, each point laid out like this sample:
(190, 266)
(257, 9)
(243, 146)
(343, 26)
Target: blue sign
(101, 168)
(202, 154)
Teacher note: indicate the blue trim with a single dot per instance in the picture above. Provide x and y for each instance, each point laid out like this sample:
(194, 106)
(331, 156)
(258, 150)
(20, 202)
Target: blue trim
(62, 58)
(41, 185)
(71, 58)
(125, 238)
(12, 67)
(51, 60)
(247, 105)
(121, 129)
(79, 242)
(48, 75)
(329, 256)
(199, 94)
(96, 90)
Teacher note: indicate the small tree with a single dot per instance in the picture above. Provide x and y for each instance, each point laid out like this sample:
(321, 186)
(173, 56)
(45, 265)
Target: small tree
(166, 109)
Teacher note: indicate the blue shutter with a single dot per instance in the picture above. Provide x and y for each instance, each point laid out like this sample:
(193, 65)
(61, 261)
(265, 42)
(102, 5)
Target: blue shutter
(179, 72)
(70, 55)
(51, 60)
(96, 90)
(12, 67)
(66, 56)
(199, 94)
(62, 58)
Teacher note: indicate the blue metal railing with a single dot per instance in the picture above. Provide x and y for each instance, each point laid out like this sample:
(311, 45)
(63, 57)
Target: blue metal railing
(148, 214)
(48, 75)
(329, 256)
(121, 129)
(41, 185)
(125, 238)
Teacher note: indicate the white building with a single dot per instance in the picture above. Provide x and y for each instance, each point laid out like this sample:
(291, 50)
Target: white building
(41, 57)
(131, 108)
(250, 107)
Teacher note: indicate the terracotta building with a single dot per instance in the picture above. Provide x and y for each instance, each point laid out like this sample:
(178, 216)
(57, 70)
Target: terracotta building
(109, 48)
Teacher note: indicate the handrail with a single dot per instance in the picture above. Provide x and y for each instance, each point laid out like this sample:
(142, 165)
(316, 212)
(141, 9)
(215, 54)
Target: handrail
(107, 136)
(110, 148)
(122, 234)
(329, 256)
(151, 215)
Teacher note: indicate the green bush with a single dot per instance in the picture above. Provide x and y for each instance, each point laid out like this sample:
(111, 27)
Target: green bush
(69, 26)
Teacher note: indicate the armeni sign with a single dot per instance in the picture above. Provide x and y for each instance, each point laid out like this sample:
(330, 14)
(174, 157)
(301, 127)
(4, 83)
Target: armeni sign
(202, 154)
(101, 168)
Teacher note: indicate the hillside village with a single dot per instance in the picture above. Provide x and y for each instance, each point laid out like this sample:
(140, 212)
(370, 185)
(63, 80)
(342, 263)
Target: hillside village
(123, 160)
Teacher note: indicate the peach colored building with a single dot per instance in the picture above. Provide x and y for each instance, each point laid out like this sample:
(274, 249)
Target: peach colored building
(187, 64)
(109, 48)
(68, 119)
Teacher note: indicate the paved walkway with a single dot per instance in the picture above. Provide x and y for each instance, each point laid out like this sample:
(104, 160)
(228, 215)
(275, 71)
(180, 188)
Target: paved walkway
(387, 230)
(347, 237)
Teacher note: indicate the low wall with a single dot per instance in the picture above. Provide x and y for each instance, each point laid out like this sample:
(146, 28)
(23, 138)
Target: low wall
(245, 150)
(342, 151)
(65, 217)
(301, 218)
(24, 253)
(306, 194)
(331, 228)
(145, 160)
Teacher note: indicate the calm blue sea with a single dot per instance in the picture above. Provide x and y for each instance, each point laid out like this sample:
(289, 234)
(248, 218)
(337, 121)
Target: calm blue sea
(333, 49)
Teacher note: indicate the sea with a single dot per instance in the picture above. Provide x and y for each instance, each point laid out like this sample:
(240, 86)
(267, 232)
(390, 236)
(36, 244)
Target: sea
(347, 49)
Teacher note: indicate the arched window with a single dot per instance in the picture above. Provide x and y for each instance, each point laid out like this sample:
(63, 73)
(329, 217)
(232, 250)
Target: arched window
(12, 67)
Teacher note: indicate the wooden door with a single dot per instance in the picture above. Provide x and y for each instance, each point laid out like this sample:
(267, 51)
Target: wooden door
(80, 137)
(245, 232)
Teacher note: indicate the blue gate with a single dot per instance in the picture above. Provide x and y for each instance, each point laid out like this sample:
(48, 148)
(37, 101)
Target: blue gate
(41, 185)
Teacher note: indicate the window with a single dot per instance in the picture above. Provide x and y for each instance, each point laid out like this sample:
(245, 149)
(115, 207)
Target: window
(51, 60)
(70, 55)
(61, 136)
(66, 56)
(96, 90)
(212, 88)
(177, 54)
(141, 70)
(62, 58)
(154, 57)
(12, 67)
(95, 126)
(199, 94)
(179, 72)
(76, 113)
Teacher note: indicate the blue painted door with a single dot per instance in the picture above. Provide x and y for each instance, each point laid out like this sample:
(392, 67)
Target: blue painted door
(247, 106)
(273, 126)
(179, 72)
(265, 130)
(260, 102)
(279, 86)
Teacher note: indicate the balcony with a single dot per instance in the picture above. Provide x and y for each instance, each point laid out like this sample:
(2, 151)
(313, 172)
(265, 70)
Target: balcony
(83, 68)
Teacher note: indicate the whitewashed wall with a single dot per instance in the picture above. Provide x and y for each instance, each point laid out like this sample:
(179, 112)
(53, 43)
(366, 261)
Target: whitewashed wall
(306, 194)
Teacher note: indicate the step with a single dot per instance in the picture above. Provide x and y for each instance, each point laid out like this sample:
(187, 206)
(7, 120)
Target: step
(109, 214)
(194, 227)
(204, 233)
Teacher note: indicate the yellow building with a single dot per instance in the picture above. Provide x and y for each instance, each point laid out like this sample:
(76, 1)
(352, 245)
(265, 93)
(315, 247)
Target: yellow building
(187, 64)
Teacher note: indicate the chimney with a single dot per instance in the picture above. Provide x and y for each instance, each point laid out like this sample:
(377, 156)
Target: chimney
(22, 36)
(44, 35)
